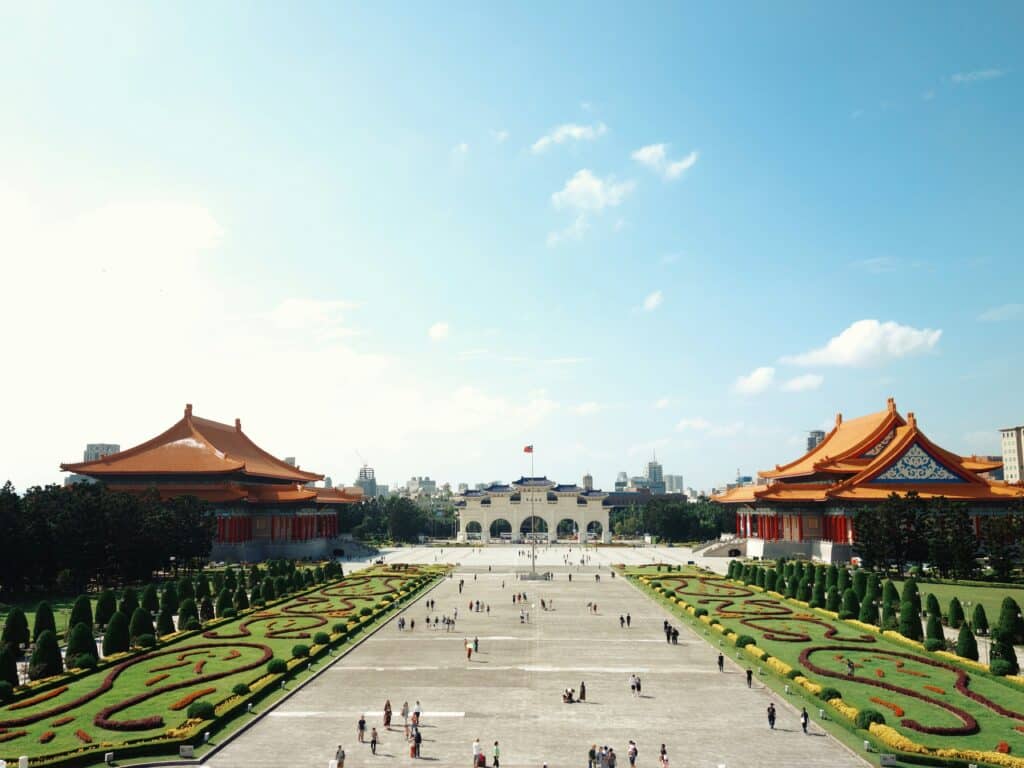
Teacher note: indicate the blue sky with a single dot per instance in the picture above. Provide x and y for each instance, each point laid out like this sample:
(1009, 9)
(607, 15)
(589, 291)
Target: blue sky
(429, 235)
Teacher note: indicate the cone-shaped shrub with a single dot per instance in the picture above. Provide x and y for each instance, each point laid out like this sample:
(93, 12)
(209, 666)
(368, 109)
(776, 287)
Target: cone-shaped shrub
(851, 608)
(792, 586)
(241, 599)
(803, 592)
(217, 583)
(966, 645)
(230, 581)
(169, 598)
(818, 594)
(141, 624)
(105, 607)
(1002, 655)
(150, 599)
(1010, 619)
(889, 618)
(15, 629)
(8, 667)
(889, 593)
(206, 609)
(758, 579)
(202, 587)
(770, 579)
(129, 602)
(46, 660)
(80, 641)
(116, 638)
(911, 594)
(186, 589)
(956, 613)
(164, 623)
(979, 621)
(868, 612)
(44, 621)
(910, 621)
(281, 586)
(224, 601)
(933, 629)
(860, 583)
(81, 613)
(186, 613)
(832, 600)
(845, 582)
(931, 605)
(832, 576)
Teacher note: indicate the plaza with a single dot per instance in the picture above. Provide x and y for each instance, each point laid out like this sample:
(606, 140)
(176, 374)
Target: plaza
(511, 690)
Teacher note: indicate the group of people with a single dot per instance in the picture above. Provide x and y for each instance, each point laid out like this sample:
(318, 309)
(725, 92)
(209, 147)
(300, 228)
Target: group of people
(480, 759)
(625, 621)
(671, 633)
(569, 694)
(805, 719)
(634, 686)
(410, 726)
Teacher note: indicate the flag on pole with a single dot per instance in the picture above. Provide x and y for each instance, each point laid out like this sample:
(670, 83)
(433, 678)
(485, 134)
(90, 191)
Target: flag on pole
(528, 449)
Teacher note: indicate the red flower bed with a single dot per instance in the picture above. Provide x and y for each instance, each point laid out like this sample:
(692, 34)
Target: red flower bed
(1003, 747)
(936, 689)
(879, 672)
(896, 708)
(46, 737)
(39, 699)
(198, 668)
(11, 736)
(173, 665)
(156, 679)
(62, 721)
(184, 701)
(791, 635)
(232, 654)
(83, 736)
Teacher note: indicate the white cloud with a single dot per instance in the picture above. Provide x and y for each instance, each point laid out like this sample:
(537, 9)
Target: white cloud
(976, 76)
(655, 157)
(460, 149)
(705, 427)
(804, 383)
(574, 231)
(500, 136)
(587, 192)
(1001, 313)
(438, 331)
(588, 408)
(662, 402)
(652, 301)
(755, 382)
(869, 342)
(568, 132)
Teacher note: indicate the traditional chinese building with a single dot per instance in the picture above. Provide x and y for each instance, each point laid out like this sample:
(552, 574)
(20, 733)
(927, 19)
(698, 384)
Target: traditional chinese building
(265, 507)
(532, 507)
(806, 507)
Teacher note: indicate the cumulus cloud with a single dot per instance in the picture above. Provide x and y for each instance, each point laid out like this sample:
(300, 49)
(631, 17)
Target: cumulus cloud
(705, 427)
(438, 331)
(652, 301)
(587, 192)
(1001, 313)
(976, 76)
(869, 342)
(568, 132)
(655, 157)
(804, 383)
(755, 382)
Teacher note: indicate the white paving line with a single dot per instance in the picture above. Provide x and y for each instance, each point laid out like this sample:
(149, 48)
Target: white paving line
(357, 712)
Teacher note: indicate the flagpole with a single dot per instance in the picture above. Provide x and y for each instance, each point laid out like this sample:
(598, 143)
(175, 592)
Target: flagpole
(533, 522)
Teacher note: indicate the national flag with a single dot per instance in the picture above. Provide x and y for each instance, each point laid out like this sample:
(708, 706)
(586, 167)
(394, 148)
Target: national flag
(528, 449)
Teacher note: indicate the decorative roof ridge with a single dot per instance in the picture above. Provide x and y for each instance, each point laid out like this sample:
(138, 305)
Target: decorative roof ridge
(271, 458)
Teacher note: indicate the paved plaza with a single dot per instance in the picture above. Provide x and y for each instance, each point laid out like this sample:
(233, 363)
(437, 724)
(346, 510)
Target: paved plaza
(511, 690)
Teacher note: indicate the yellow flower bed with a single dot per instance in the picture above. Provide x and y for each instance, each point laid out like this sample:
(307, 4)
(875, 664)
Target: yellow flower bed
(262, 683)
(844, 709)
(185, 729)
(755, 588)
(778, 595)
(1018, 679)
(896, 740)
(812, 687)
(977, 756)
(863, 625)
(754, 651)
(830, 614)
(690, 608)
(961, 660)
(896, 637)
(706, 618)
(718, 628)
(779, 666)
(801, 603)
(227, 704)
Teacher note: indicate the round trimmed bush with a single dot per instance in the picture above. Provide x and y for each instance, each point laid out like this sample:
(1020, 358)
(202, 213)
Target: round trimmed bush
(793, 674)
(277, 666)
(146, 641)
(1001, 668)
(229, 613)
(240, 690)
(365, 610)
(83, 661)
(934, 644)
(669, 593)
(46, 659)
(201, 710)
(8, 666)
(321, 638)
(340, 628)
(6, 691)
(829, 693)
(193, 625)
(80, 640)
(744, 640)
(868, 716)
(700, 612)
(300, 651)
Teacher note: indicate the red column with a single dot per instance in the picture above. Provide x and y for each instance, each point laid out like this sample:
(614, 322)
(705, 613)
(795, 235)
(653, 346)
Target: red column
(977, 526)
(800, 527)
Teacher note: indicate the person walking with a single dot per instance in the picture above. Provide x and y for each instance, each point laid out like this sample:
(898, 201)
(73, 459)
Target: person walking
(497, 755)
(476, 645)
(417, 742)
(592, 756)
(373, 741)
(339, 756)
(632, 686)
(405, 717)
(387, 714)
(804, 719)
(663, 757)
(583, 691)
(361, 729)
(629, 620)
(476, 752)
(631, 753)
(750, 678)
(622, 621)
(638, 690)
(721, 662)
(771, 715)
(469, 651)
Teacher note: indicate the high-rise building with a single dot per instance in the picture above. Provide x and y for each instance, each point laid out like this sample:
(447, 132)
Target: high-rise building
(1013, 454)
(93, 452)
(674, 484)
(463, 487)
(588, 482)
(328, 483)
(655, 476)
(421, 486)
(814, 438)
(621, 481)
(367, 480)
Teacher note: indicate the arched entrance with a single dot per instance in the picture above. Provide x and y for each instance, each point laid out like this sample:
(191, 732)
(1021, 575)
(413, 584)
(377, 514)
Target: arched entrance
(594, 530)
(474, 530)
(501, 530)
(566, 529)
(534, 527)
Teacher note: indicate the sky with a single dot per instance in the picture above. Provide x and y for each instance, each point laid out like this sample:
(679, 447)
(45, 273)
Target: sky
(425, 235)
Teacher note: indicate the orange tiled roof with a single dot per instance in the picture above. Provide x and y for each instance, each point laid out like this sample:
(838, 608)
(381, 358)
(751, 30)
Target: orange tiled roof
(195, 446)
(347, 495)
(276, 494)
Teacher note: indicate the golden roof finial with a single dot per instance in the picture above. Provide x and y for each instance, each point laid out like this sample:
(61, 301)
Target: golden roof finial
(188, 410)
(911, 420)
(238, 425)
(891, 403)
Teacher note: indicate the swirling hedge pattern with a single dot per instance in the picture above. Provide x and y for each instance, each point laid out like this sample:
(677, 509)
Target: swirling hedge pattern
(833, 645)
(143, 693)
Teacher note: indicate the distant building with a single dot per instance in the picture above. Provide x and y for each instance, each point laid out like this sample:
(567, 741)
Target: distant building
(588, 482)
(621, 482)
(1013, 454)
(289, 460)
(383, 489)
(417, 486)
(93, 452)
(367, 480)
(814, 438)
(655, 476)
(328, 483)
(638, 483)
(674, 484)
(463, 487)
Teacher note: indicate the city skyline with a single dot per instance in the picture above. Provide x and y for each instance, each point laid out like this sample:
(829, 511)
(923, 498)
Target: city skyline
(604, 231)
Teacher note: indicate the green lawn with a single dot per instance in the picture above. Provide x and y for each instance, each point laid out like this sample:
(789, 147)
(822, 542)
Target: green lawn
(785, 629)
(990, 597)
(229, 648)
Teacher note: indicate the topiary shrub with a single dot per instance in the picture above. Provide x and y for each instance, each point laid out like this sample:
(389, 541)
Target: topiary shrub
(187, 612)
(277, 666)
(193, 625)
(911, 594)
(956, 614)
(818, 594)
(81, 613)
(966, 645)
(851, 607)
(793, 674)
(300, 651)
(910, 621)
(43, 621)
(669, 593)
(6, 691)
(150, 598)
(931, 605)
(8, 666)
(934, 644)
(15, 632)
(860, 583)
(224, 602)
(868, 716)
(83, 661)
(116, 638)
(1001, 667)
(829, 693)
(832, 600)
(241, 599)
(129, 602)
(655, 584)
(321, 638)
(700, 612)
(340, 628)
(240, 690)
(1001, 649)
(186, 589)
(80, 640)
(229, 613)
(365, 610)
(933, 630)
(744, 640)
(105, 607)
(141, 624)
(46, 659)
(164, 623)
(267, 590)
(201, 710)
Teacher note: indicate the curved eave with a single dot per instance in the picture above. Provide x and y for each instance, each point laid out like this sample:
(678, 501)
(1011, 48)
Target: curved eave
(951, 491)
(905, 437)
